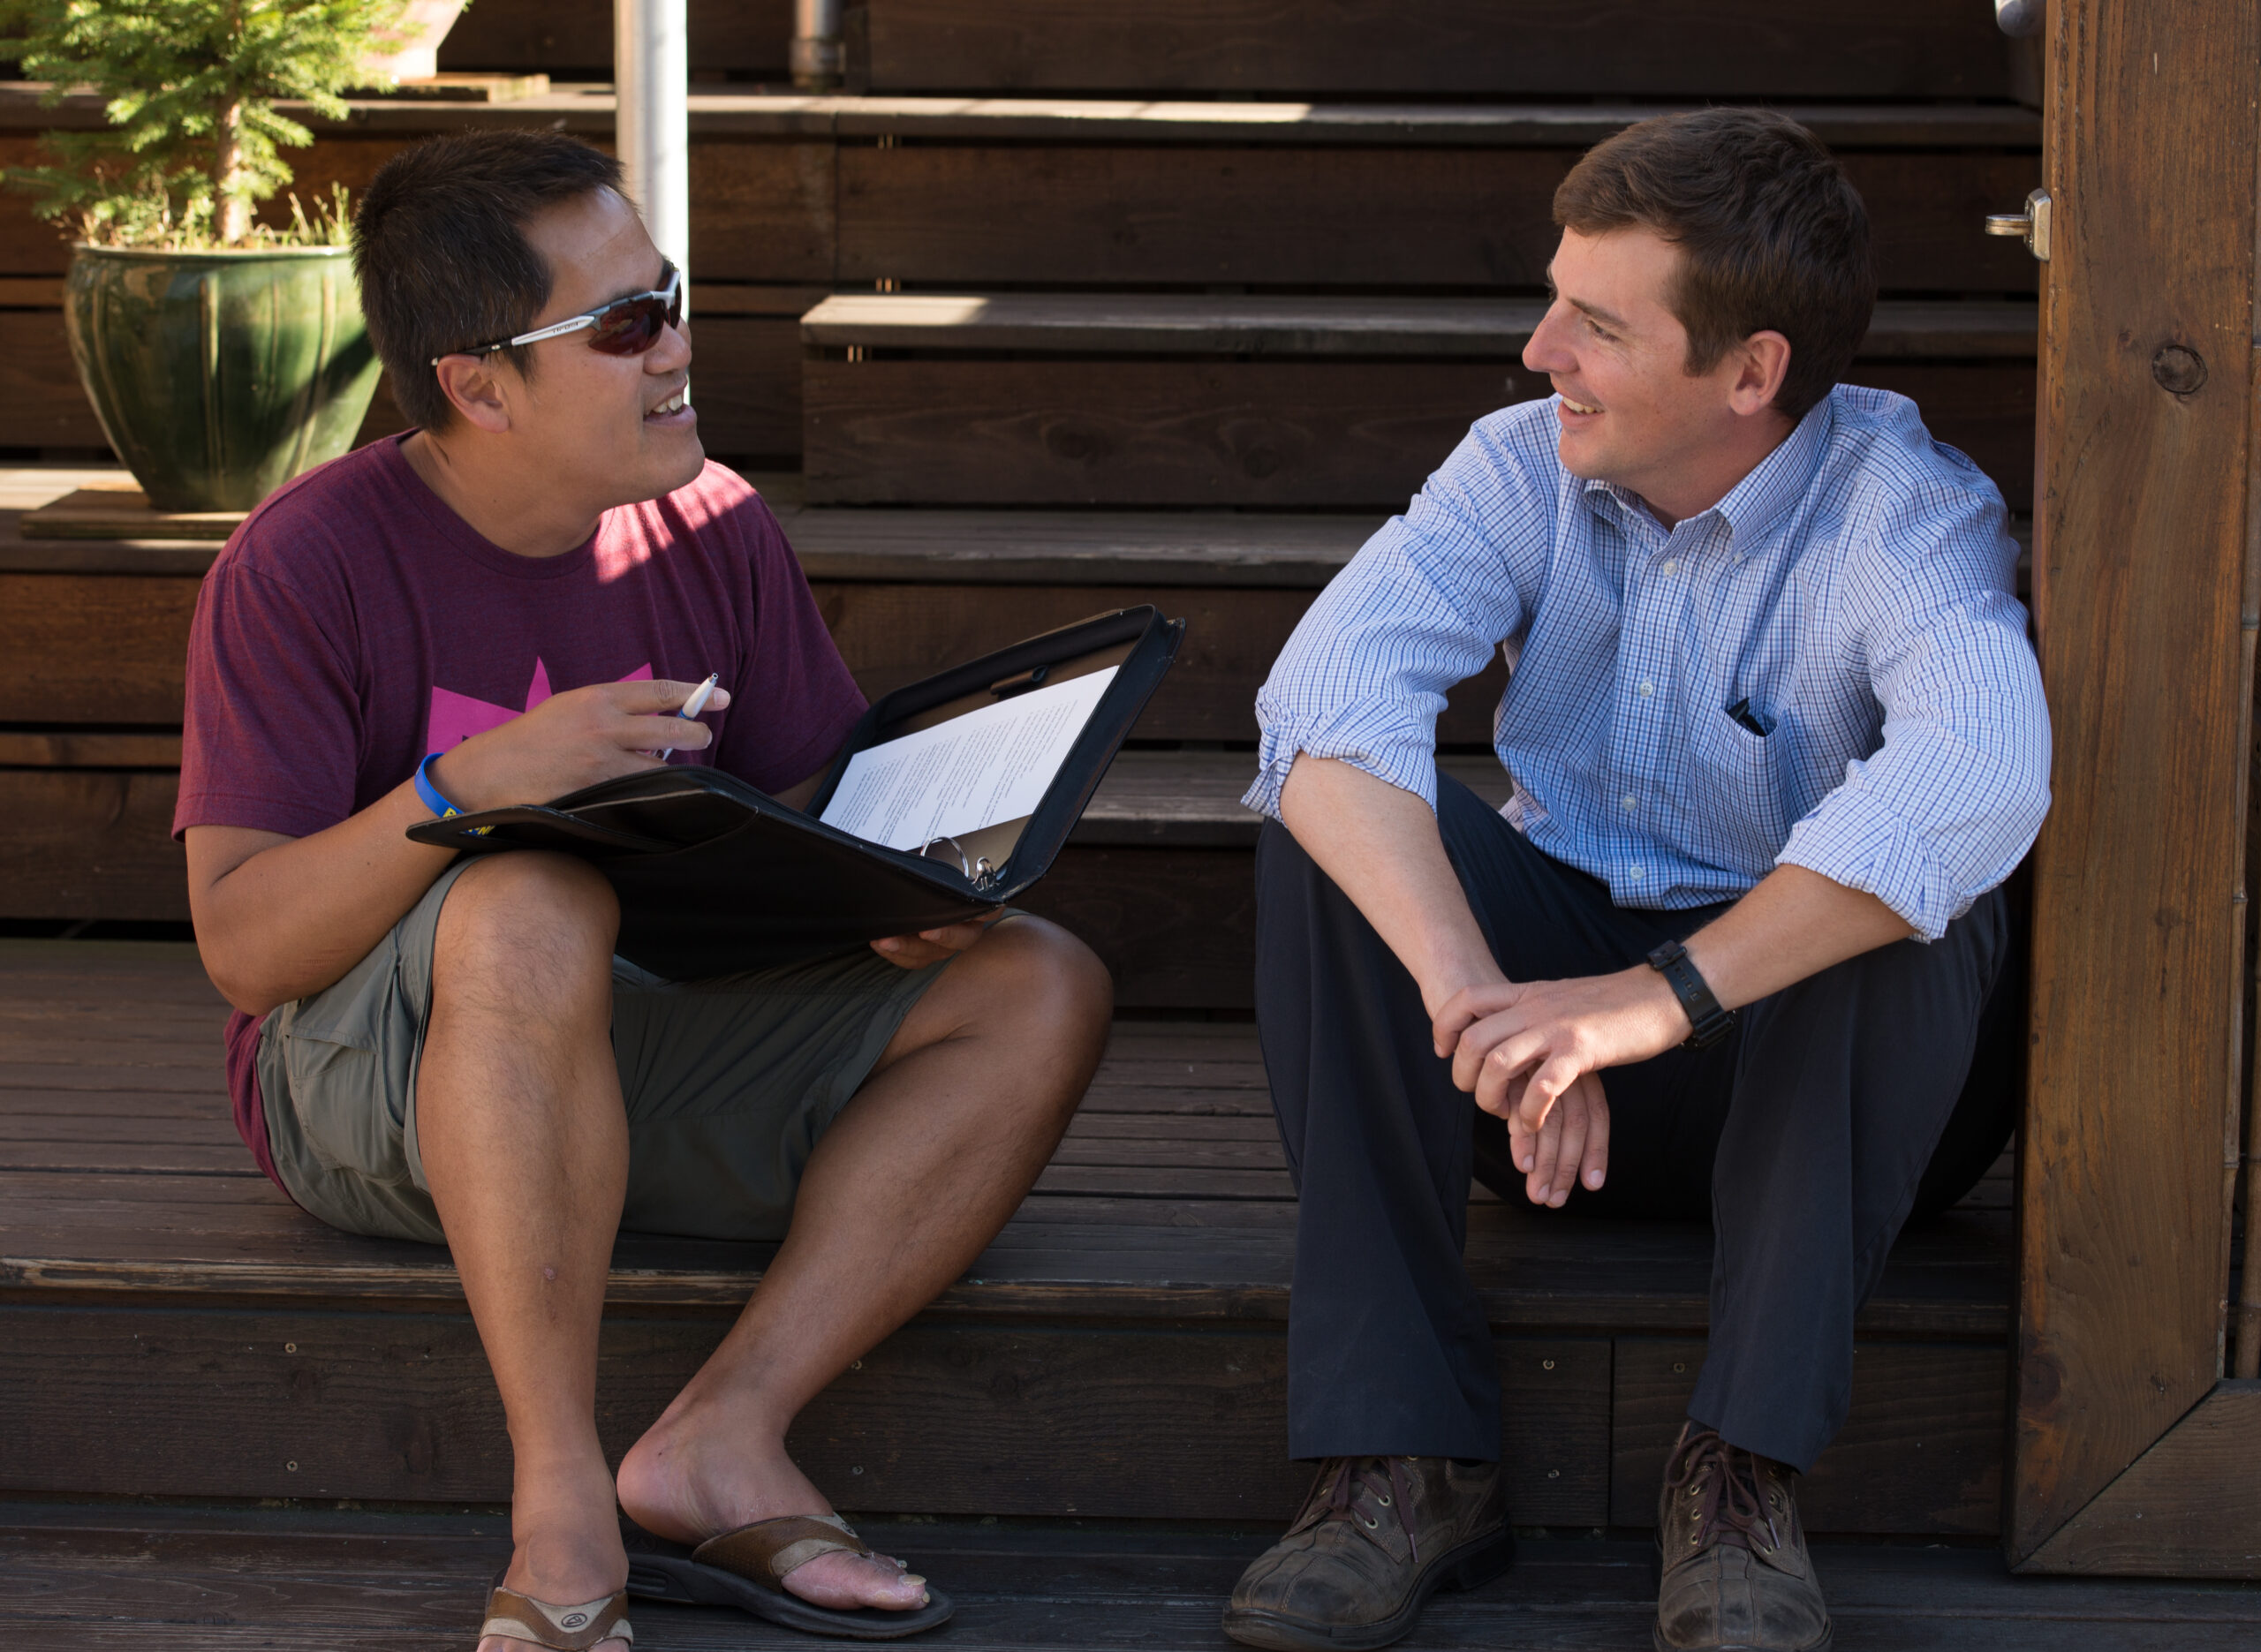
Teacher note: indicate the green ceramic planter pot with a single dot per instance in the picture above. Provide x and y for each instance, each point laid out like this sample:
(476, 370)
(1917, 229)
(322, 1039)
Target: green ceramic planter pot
(219, 376)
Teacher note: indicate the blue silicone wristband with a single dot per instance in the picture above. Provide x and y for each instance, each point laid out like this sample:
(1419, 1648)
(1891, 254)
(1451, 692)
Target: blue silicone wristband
(430, 793)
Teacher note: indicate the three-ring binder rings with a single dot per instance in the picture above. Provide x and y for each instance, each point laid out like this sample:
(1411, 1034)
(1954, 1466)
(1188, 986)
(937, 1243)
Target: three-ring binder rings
(952, 795)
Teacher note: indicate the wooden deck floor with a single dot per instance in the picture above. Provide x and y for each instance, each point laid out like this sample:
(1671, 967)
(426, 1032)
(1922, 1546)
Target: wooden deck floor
(89, 1578)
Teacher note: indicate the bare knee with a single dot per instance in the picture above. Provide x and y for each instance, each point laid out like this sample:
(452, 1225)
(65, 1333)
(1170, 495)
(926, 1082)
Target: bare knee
(526, 925)
(1043, 991)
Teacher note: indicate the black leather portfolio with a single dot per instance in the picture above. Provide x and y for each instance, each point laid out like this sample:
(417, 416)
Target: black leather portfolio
(715, 876)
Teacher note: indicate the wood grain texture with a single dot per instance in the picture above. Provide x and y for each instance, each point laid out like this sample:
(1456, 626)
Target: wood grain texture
(1303, 433)
(737, 112)
(2141, 547)
(40, 402)
(895, 634)
(84, 1575)
(90, 844)
(1078, 214)
(1864, 49)
(1921, 1449)
(1267, 324)
(2185, 1508)
(91, 648)
(740, 37)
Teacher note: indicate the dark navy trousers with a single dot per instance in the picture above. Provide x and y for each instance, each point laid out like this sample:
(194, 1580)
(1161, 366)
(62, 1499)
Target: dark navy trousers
(1879, 1087)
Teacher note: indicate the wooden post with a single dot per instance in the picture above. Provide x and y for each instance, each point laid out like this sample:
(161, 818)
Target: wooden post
(2130, 1453)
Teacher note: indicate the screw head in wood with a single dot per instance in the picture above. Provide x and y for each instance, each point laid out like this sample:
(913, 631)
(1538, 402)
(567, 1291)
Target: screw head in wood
(2179, 369)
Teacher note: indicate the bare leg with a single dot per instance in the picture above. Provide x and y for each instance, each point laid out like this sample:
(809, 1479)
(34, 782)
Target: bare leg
(917, 1174)
(526, 1147)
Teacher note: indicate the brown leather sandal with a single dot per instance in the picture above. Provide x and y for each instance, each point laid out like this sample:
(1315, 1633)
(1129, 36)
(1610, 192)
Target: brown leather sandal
(518, 1616)
(746, 1569)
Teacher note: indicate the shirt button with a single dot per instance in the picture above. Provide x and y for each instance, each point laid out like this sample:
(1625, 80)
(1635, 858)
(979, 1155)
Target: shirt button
(1632, 874)
(1630, 801)
(1667, 567)
(1647, 688)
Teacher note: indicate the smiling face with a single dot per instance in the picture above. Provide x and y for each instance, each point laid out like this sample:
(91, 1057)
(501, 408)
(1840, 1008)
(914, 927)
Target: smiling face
(604, 430)
(1631, 413)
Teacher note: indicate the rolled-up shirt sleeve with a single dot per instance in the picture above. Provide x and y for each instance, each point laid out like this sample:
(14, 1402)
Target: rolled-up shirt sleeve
(1947, 806)
(1418, 609)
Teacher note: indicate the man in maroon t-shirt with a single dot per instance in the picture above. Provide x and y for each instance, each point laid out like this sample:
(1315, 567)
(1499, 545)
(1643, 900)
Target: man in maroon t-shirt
(509, 603)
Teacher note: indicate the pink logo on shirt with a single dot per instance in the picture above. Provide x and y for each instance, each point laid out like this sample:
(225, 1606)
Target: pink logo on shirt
(456, 717)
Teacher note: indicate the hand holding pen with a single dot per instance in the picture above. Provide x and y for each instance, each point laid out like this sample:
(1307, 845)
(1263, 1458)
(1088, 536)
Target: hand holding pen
(575, 739)
(690, 709)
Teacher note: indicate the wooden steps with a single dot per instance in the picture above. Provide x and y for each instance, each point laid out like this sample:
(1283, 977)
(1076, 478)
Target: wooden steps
(1158, 878)
(205, 1577)
(1122, 399)
(171, 1325)
(89, 1577)
(796, 196)
(1367, 47)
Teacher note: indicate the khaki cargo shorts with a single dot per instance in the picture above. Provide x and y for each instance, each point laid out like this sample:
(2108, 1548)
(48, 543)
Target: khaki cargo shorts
(729, 1083)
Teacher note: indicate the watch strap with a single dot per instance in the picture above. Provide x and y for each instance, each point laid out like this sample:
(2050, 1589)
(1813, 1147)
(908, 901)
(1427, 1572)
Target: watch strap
(1708, 1023)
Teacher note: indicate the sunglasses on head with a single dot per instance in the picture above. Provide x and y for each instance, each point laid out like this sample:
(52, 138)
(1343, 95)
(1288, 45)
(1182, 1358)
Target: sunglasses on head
(626, 327)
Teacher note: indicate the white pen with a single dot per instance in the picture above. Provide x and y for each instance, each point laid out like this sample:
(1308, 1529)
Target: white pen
(692, 707)
(699, 696)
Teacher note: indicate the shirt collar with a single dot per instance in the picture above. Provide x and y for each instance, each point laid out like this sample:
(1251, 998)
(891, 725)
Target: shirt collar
(1775, 484)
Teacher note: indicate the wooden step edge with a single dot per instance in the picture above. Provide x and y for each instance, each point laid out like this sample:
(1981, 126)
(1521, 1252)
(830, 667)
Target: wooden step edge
(589, 108)
(29, 1278)
(73, 749)
(1197, 324)
(1176, 799)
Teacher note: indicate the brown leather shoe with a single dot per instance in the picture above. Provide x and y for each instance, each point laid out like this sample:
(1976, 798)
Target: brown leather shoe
(1376, 1537)
(1736, 1577)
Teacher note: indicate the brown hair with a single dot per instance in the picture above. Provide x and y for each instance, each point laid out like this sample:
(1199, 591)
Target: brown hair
(1770, 235)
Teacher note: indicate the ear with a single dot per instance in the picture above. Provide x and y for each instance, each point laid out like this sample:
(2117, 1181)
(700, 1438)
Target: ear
(1763, 361)
(476, 387)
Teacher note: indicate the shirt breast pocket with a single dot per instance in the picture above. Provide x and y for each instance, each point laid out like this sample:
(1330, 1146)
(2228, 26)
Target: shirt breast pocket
(1741, 780)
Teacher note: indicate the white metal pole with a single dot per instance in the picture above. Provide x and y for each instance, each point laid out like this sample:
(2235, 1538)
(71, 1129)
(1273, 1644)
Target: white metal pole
(651, 71)
(815, 51)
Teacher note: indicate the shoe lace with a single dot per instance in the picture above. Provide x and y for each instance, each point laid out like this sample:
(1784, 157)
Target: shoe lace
(1379, 1478)
(1725, 1480)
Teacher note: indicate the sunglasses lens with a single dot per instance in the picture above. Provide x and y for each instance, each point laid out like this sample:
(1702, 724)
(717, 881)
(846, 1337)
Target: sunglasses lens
(630, 327)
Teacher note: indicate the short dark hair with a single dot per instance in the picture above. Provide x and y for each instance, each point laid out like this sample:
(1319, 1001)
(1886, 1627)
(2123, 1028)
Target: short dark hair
(440, 246)
(1771, 234)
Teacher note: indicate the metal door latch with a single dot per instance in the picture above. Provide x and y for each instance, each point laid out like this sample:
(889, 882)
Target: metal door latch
(2031, 226)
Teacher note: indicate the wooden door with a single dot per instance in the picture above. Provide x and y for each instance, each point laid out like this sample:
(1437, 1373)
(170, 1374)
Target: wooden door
(2132, 1451)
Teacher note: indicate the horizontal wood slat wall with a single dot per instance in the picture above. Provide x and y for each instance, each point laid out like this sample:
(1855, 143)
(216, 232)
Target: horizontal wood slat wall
(741, 38)
(941, 1418)
(1697, 48)
(1242, 433)
(939, 214)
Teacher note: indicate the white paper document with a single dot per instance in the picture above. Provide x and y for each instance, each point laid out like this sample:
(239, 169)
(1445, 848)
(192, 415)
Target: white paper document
(988, 766)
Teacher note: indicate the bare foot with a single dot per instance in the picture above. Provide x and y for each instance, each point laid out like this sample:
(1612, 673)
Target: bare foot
(568, 1551)
(679, 1483)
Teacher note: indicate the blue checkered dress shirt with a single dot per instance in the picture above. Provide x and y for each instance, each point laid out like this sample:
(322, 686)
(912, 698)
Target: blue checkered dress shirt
(1852, 596)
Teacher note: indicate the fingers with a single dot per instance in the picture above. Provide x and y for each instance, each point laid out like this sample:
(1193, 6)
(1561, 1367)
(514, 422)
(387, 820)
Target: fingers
(1596, 1168)
(1548, 1084)
(1546, 1147)
(910, 952)
(648, 695)
(1571, 1147)
(1467, 1006)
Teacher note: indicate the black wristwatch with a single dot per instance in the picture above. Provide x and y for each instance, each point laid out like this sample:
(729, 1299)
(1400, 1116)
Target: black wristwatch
(1711, 1023)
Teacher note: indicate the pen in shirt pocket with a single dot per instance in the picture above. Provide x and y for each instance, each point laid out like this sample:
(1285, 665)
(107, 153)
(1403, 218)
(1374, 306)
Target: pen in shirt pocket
(1742, 714)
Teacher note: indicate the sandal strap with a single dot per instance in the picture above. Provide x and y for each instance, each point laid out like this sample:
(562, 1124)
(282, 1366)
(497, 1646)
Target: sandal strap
(518, 1616)
(765, 1552)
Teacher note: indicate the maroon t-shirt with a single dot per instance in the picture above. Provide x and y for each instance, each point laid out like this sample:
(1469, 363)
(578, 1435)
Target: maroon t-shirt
(355, 623)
